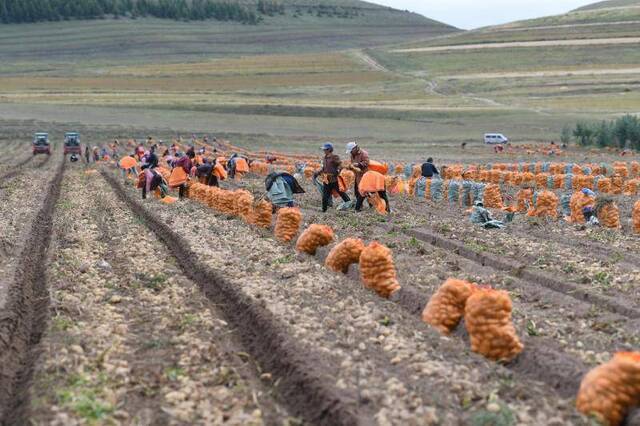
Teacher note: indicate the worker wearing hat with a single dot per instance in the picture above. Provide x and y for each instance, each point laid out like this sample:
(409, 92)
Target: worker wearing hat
(360, 165)
(330, 171)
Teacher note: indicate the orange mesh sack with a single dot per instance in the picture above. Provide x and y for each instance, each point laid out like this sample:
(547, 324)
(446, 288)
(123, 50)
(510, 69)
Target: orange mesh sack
(617, 182)
(608, 213)
(313, 237)
(525, 199)
(243, 204)
(344, 255)
(487, 316)
(446, 307)
(609, 391)
(577, 204)
(604, 185)
(635, 217)
(262, 214)
(371, 182)
(349, 177)
(546, 205)
(492, 197)
(631, 187)
(287, 224)
(377, 270)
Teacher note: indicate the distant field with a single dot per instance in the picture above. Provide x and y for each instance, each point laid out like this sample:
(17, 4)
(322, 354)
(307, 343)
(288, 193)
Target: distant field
(295, 83)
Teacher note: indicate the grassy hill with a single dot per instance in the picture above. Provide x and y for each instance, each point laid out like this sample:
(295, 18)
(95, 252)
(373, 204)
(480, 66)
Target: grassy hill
(382, 76)
(582, 62)
(610, 3)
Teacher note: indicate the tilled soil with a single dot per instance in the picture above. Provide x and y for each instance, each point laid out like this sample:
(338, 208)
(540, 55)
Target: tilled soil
(402, 370)
(23, 300)
(131, 340)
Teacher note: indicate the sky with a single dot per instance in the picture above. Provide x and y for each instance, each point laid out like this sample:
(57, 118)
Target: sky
(468, 14)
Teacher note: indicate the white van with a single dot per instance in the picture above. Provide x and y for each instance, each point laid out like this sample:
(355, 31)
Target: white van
(495, 139)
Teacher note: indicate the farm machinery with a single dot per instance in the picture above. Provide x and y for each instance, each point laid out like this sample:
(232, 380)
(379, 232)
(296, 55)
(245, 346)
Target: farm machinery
(41, 144)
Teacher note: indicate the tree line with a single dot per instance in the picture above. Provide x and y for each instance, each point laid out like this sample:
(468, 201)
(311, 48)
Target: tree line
(20, 11)
(622, 133)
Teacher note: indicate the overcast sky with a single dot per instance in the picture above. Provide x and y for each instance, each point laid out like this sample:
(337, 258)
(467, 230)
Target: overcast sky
(469, 14)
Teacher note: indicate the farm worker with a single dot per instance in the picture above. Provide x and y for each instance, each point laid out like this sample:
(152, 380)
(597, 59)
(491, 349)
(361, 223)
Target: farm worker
(330, 172)
(180, 173)
(150, 179)
(237, 164)
(206, 170)
(428, 169)
(128, 166)
(373, 187)
(281, 188)
(360, 165)
(87, 154)
(482, 216)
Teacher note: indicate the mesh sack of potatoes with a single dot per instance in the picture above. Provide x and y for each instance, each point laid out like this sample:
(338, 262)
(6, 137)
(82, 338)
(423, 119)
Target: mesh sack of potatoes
(445, 309)
(492, 197)
(487, 317)
(524, 200)
(546, 205)
(287, 224)
(612, 389)
(617, 183)
(344, 255)
(635, 169)
(436, 189)
(261, 214)
(620, 168)
(314, 237)
(349, 177)
(197, 192)
(243, 204)
(227, 202)
(607, 212)
(604, 185)
(635, 217)
(214, 198)
(377, 269)
(631, 187)
(578, 202)
(541, 180)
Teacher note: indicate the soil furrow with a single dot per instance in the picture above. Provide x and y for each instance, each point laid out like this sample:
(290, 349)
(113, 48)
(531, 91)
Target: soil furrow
(518, 270)
(24, 317)
(304, 385)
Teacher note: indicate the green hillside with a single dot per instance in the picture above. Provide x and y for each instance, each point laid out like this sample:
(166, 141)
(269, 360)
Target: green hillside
(610, 3)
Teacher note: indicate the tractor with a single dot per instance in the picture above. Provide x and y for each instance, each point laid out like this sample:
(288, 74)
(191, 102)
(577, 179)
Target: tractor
(41, 144)
(72, 143)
